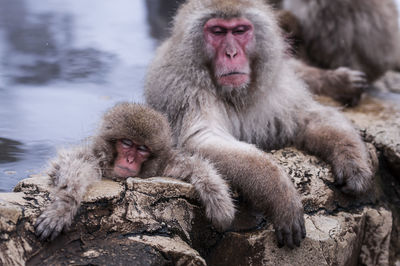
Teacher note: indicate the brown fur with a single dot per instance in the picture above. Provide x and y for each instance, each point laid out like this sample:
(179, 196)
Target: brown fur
(342, 84)
(76, 169)
(362, 35)
(232, 127)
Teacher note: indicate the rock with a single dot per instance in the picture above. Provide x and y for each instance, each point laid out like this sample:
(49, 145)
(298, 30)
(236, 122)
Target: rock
(313, 179)
(182, 253)
(376, 238)
(378, 118)
(10, 214)
(106, 190)
(141, 222)
(158, 221)
(35, 184)
(331, 240)
(379, 121)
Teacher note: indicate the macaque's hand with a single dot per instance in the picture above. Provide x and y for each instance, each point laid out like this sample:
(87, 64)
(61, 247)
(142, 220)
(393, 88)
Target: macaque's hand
(221, 211)
(290, 230)
(352, 84)
(353, 176)
(53, 220)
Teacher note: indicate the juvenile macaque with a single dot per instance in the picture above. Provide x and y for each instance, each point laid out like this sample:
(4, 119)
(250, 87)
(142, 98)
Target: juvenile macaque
(224, 81)
(133, 140)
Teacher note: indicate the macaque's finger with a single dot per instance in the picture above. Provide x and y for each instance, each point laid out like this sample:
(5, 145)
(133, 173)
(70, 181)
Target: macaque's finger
(297, 237)
(303, 228)
(288, 237)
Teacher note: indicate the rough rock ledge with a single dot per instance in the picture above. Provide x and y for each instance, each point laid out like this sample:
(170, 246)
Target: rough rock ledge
(158, 221)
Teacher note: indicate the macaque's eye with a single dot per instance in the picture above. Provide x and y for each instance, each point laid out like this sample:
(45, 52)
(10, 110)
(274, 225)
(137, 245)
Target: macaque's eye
(126, 143)
(240, 30)
(218, 30)
(143, 148)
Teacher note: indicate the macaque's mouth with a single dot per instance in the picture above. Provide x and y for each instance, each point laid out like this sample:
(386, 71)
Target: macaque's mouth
(234, 79)
(125, 171)
(233, 73)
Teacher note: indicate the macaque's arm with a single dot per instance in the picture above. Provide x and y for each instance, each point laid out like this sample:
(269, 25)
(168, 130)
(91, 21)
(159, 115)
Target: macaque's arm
(71, 172)
(212, 189)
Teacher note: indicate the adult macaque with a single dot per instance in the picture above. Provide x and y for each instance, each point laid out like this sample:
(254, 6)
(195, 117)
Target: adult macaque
(133, 140)
(224, 82)
(341, 41)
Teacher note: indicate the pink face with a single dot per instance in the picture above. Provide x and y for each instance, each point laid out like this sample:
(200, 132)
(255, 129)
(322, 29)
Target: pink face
(227, 41)
(130, 156)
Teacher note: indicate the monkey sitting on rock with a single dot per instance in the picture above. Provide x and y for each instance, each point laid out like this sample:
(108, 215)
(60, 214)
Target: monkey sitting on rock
(133, 140)
(230, 93)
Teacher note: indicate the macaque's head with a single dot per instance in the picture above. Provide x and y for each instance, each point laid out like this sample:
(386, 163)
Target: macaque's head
(134, 140)
(236, 42)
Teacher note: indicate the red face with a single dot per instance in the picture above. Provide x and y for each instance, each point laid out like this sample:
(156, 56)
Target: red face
(130, 156)
(228, 41)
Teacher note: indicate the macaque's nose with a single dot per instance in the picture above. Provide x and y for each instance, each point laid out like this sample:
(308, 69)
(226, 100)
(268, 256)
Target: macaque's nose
(230, 49)
(231, 52)
(131, 155)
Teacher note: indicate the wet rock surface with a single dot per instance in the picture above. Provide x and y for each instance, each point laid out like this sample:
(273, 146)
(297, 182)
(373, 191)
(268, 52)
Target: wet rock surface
(380, 123)
(138, 222)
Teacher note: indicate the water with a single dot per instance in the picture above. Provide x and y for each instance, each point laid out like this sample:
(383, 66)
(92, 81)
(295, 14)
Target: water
(398, 5)
(62, 64)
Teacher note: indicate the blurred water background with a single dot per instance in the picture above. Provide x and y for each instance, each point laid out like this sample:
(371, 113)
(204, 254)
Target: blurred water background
(62, 64)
